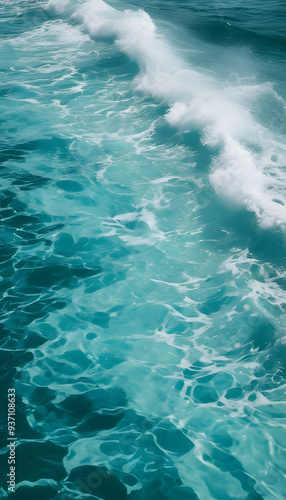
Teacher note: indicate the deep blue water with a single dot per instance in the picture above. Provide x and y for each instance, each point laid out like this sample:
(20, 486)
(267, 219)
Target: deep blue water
(142, 253)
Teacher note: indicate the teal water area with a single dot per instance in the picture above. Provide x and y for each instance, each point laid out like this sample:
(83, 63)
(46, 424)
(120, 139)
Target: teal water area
(142, 253)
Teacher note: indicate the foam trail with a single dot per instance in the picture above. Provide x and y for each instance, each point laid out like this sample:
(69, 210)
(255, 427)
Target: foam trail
(219, 111)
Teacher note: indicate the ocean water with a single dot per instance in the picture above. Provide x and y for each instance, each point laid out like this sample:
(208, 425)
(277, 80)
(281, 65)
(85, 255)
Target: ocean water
(143, 277)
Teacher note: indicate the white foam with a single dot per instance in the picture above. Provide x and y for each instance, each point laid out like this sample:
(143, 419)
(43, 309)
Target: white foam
(57, 6)
(220, 111)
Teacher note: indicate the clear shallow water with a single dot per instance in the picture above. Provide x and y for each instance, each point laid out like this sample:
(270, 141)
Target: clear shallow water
(142, 248)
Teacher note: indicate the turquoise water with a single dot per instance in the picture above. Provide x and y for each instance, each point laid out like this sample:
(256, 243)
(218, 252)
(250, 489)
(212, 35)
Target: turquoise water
(143, 248)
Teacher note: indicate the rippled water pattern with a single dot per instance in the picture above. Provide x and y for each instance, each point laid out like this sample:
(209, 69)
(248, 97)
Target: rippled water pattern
(143, 248)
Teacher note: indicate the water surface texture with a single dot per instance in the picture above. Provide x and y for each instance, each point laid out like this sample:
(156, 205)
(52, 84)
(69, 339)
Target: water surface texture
(142, 253)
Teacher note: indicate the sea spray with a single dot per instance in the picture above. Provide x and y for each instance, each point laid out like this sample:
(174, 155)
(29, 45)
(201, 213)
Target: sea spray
(221, 112)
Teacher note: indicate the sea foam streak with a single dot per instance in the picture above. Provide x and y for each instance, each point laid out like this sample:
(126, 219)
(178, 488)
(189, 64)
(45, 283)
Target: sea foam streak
(248, 169)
